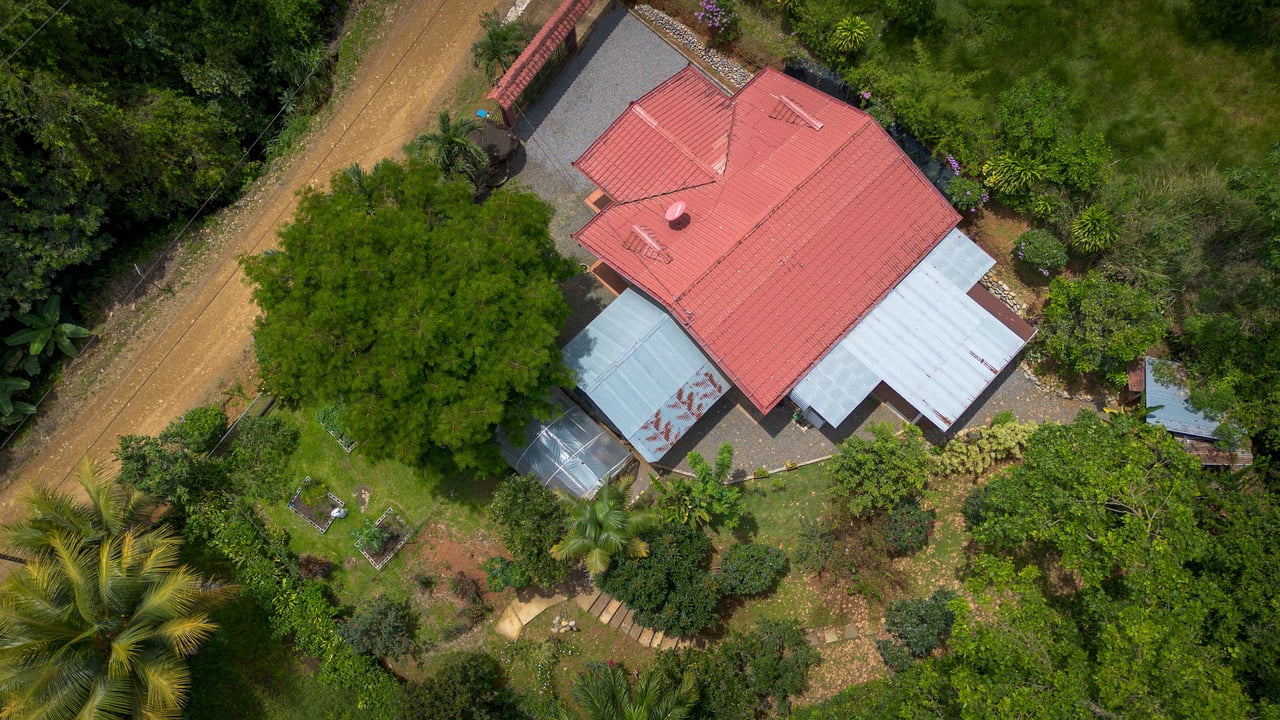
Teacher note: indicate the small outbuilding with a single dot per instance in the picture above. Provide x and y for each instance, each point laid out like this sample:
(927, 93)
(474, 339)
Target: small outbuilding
(571, 452)
(1162, 386)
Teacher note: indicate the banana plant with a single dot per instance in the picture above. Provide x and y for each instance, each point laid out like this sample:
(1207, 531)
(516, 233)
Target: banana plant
(11, 410)
(43, 332)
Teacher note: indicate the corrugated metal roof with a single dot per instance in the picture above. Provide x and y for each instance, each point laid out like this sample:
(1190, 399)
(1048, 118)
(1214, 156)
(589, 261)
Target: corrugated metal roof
(960, 260)
(1176, 413)
(815, 216)
(540, 49)
(928, 340)
(644, 373)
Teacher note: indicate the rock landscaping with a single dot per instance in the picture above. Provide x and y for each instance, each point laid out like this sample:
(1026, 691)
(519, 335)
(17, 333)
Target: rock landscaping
(721, 63)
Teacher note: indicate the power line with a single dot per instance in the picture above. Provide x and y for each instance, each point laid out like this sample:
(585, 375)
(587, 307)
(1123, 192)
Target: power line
(386, 78)
(33, 34)
(14, 19)
(143, 277)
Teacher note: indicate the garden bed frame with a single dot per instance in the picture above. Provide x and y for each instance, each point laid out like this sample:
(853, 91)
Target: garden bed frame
(400, 534)
(334, 500)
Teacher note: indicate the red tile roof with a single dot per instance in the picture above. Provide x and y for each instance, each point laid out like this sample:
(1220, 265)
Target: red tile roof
(802, 214)
(538, 52)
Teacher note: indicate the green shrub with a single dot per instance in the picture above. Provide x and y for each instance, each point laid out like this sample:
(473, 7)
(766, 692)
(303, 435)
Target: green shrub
(896, 657)
(975, 507)
(313, 493)
(1041, 250)
(706, 498)
(909, 527)
(873, 475)
(370, 537)
(381, 626)
(1094, 230)
(501, 573)
(921, 625)
(966, 194)
(530, 520)
(465, 685)
(260, 455)
(977, 451)
(1094, 325)
(198, 431)
(751, 569)
(671, 588)
(814, 547)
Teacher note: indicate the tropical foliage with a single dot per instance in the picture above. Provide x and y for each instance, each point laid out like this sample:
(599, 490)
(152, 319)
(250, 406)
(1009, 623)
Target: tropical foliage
(670, 587)
(451, 148)
(604, 694)
(1094, 325)
(198, 430)
(868, 476)
(602, 529)
(433, 317)
(751, 569)
(531, 519)
(463, 686)
(501, 45)
(111, 134)
(850, 34)
(706, 498)
(46, 331)
(381, 626)
(99, 622)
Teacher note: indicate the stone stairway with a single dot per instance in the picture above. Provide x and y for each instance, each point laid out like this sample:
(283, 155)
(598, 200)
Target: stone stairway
(610, 611)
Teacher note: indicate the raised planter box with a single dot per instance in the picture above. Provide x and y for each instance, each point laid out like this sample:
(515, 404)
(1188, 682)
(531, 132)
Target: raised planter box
(399, 531)
(318, 516)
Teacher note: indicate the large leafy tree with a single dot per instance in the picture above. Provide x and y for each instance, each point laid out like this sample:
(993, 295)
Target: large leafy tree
(1095, 325)
(433, 317)
(99, 622)
(119, 116)
(602, 527)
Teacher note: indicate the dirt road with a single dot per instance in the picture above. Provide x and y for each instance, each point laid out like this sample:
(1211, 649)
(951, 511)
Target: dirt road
(196, 338)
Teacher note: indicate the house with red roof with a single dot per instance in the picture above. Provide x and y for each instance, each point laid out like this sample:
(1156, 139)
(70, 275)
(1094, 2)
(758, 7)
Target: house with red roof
(779, 241)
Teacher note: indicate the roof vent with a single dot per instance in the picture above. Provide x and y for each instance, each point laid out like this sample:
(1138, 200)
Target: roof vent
(677, 218)
(788, 110)
(642, 240)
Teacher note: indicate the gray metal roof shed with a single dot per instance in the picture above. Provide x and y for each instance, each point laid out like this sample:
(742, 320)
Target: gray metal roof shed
(1173, 405)
(927, 339)
(644, 373)
(571, 452)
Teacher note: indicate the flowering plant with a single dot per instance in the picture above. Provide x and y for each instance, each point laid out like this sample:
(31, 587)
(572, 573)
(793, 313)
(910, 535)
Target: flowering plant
(1041, 250)
(965, 193)
(720, 18)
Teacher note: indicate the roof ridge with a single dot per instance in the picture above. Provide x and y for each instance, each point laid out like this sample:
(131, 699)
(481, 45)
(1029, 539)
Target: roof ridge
(667, 135)
(774, 209)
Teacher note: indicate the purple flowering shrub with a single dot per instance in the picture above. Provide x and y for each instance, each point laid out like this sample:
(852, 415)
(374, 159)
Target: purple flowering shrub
(720, 17)
(1041, 250)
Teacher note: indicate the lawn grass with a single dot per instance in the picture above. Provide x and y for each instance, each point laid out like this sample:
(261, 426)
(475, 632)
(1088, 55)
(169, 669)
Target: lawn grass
(246, 672)
(420, 498)
(1162, 92)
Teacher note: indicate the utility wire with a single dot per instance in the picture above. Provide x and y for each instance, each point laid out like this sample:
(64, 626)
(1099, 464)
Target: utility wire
(144, 277)
(14, 19)
(385, 79)
(33, 34)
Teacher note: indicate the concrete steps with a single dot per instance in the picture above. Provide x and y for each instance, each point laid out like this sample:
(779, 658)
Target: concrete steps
(613, 613)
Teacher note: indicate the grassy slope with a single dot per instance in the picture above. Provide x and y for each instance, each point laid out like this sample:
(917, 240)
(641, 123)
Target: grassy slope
(1159, 95)
(455, 503)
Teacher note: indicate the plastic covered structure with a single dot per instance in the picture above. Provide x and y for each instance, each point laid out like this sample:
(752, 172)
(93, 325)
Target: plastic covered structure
(571, 452)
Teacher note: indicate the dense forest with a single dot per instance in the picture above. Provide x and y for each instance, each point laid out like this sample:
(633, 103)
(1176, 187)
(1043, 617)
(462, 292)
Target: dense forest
(123, 117)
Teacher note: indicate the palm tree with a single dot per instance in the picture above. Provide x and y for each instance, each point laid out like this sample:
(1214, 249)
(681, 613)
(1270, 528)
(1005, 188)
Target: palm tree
(451, 148)
(98, 623)
(602, 527)
(501, 45)
(602, 691)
